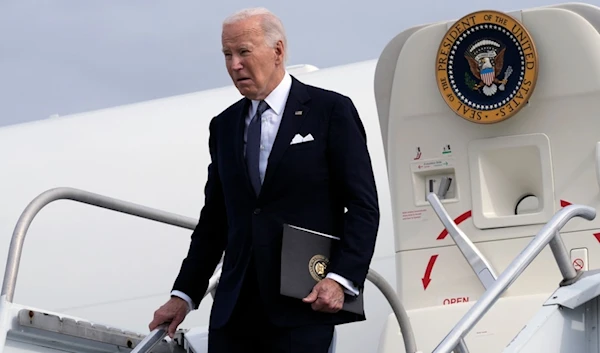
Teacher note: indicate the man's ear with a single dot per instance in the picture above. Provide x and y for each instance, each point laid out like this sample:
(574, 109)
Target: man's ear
(279, 51)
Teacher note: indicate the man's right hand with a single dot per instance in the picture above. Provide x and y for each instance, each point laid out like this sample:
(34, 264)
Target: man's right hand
(172, 312)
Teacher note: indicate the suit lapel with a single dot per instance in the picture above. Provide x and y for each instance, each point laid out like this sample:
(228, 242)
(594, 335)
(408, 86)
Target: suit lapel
(289, 126)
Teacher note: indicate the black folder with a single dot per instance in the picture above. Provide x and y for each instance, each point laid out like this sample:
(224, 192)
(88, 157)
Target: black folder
(304, 260)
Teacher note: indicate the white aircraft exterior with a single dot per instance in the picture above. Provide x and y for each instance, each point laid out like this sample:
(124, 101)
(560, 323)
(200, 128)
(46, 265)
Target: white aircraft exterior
(105, 267)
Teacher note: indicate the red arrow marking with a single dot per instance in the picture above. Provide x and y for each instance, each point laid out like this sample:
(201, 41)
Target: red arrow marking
(427, 278)
(564, 203)
(458, 221)
(597, 235)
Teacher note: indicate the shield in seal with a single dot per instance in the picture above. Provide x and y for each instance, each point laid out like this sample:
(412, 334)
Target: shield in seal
(317, 267)
(486, 67)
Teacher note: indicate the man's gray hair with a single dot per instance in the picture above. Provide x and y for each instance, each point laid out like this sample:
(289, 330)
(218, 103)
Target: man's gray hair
(271, 25)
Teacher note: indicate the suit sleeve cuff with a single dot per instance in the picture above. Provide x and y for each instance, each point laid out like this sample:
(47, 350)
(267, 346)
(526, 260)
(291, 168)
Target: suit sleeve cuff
(349, 288)
(185, 297)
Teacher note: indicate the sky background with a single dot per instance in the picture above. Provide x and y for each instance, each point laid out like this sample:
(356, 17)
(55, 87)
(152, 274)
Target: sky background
(70, 56)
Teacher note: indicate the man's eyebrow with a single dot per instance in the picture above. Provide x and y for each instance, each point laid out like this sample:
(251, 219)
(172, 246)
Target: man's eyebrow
(240, 47)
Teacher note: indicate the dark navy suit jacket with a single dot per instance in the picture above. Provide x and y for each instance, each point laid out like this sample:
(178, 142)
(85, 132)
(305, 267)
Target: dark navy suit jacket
(306, 185)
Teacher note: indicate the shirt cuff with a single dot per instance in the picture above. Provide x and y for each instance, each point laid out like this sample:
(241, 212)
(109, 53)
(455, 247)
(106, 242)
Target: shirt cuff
(349, 288)
(184, 297)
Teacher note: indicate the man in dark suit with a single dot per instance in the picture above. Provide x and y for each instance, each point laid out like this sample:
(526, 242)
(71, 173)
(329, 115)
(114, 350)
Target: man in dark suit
(285, 153)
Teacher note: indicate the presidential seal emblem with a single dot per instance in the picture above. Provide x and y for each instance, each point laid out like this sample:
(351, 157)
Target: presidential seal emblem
(486, 67)
(317, 267)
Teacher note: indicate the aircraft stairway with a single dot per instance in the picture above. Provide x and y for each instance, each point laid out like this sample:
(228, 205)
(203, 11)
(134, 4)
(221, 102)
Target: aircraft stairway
(567, 322)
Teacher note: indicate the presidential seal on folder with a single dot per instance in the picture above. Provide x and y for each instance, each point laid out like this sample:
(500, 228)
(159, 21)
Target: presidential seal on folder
(304, 262)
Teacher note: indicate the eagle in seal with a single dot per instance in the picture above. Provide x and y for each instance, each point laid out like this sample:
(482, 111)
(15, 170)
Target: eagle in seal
(486, 60)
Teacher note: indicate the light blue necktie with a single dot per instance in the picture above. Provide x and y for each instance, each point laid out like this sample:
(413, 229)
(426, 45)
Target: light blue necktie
(253, 146)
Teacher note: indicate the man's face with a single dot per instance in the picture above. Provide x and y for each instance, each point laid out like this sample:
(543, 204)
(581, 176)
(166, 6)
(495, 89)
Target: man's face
(251, 63)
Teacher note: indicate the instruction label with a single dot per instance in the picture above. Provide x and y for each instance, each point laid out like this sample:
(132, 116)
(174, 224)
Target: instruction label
(414, 215)
(432, 164)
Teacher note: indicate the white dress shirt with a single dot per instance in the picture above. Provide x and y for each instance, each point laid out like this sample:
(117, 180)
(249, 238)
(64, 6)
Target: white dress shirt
(271, 119)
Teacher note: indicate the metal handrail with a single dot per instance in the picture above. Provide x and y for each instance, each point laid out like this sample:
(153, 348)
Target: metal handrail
(549, 234)
(93, 199)
(66, 193)
(151, 340)
(410, 344)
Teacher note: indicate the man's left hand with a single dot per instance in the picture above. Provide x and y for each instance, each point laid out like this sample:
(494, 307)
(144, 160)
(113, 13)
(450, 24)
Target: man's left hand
(326, 296)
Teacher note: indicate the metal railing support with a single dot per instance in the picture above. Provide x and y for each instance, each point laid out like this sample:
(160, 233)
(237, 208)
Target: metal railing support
(461, 347)
(563, 260)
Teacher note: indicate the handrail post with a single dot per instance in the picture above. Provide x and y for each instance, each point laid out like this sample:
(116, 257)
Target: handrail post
(563, 259)
(461, 347)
